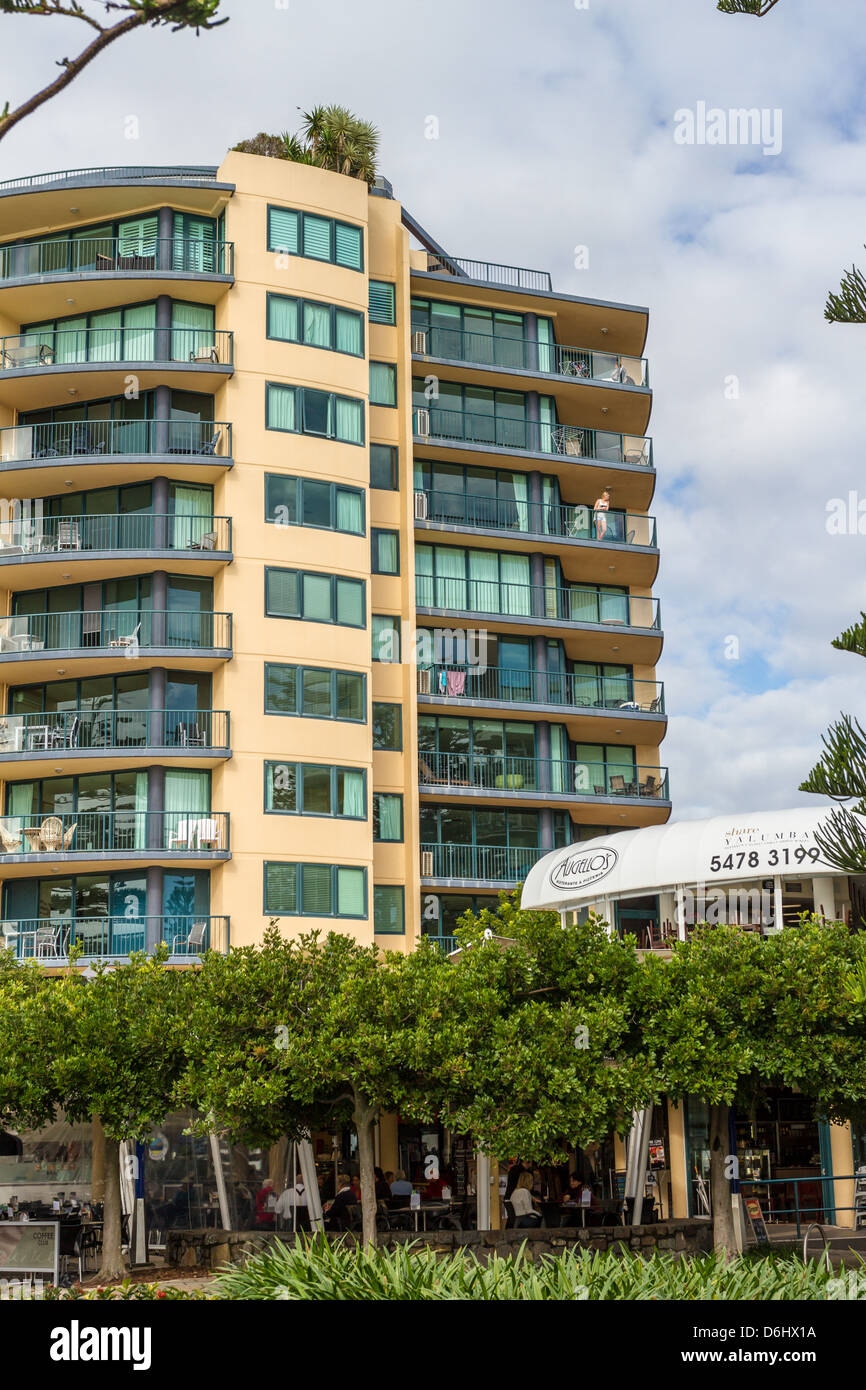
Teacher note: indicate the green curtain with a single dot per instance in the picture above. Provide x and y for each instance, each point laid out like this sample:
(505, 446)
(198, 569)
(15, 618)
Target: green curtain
(350, 893)
(387, 556)
(187, 796)
(558, 757)
(72, 339)
(21, 801)
(516, 594)
(354, 802)
(485, 595)
(383, 384)
(614, 606)
(139, 325)
(519, 484)
(548, 502)
(192, 330)
(283, 318)
(390, 817)
(589, 772)
(193, 515)
(281, 408)
(450, 588)
(424, 596)
(349, 333)
(545, 340)
(141, 810)
(350, 421)
(583, 604)
(317, 597)
(350, 515)
(547, 415)
(317, 325)
(104, 340)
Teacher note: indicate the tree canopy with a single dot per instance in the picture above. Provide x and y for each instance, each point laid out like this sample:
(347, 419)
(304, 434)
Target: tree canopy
(330, 137)
(840, 773)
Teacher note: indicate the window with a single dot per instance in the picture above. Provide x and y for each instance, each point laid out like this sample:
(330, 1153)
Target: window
(382, 306)
(387, 726)
(386, 639)
(387, 817)
(389, 918)
(315, 598)
(315, 324)
(386, 552)
(383, 383)
(318, 238)
(383, 467)
(307, 502)
(315, 692)
(301, 410)
(314, 890)
(308, 789)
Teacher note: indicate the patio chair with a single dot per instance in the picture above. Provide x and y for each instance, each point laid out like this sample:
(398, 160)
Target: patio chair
(207, 352)
(429, 775)
(194, 941)
(51, 834)
(650, 787)
(68, 834)
(617, 785)
(636, 455)
(10, 840)
(68, 535)
(180, 836)
(10, 935)
(46, 941)
(129, 641)
(71, 738)
(209, 448)
(205, 542)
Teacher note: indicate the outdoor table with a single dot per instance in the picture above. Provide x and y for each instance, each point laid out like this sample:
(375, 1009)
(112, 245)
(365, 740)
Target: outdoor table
(431, 1208)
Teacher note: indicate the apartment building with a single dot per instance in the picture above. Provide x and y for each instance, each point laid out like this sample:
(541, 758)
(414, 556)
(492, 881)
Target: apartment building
(326, 564)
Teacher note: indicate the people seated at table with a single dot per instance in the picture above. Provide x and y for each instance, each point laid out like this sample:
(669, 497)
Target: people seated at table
(265, 1202)
(518, 1166)
(433, 1192)
(291, 1207)
(400, 1187)
(338, 1213)
(383, 1184)
(523, 1203)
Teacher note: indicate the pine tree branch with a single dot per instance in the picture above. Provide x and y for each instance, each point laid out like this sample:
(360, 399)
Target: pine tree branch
(849, 305)
(841, 771)
(842, 840)
(853, 639)
(181, 14)
(755, 7)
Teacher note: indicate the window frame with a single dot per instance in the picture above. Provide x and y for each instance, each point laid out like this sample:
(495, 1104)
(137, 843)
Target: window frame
(334, 222)
(333, 398)
(389, 704)
(334, 673)
(299, 866)
(299, 496)
(392, 287)
(397, 620)
(378, 839)
(401, 889)
(394, 460)
(375, 533)
(333, 309)
(392, 368)
(334, 769)
(334, 579)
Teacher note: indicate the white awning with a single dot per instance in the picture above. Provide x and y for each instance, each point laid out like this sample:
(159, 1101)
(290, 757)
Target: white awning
(655, 859)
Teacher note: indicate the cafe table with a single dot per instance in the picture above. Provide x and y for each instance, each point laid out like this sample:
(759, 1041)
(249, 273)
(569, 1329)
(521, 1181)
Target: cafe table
(430, 1209)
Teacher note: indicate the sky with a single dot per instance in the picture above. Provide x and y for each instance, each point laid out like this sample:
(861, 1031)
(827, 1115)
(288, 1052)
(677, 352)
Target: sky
(559, 126)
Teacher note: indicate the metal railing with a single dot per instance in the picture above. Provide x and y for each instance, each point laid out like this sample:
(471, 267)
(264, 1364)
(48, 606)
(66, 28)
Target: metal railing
(50, 939)
(67, 347)
(515, 275)
(97, 438)
(498, 772)
(795, 1207)
(128, 630)
(105, 832)
(530, 355)
(498, 598)
(459, 426)
(182, 173)
(101, 255)
(446, 944)
(568, 521)
(114, 729)
(497, 863)
(69, 535)
(531, 687)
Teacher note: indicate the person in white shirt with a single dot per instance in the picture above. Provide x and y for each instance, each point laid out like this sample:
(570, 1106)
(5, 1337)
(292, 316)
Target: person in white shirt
(523, 1203)
(289, 1199)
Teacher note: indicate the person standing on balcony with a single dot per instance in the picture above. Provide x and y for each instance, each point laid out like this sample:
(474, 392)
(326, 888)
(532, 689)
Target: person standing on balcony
(600, 507)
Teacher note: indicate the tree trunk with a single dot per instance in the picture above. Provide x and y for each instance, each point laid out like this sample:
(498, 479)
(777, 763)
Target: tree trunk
(111, 1269)
(365, 1117)
(720, 1185)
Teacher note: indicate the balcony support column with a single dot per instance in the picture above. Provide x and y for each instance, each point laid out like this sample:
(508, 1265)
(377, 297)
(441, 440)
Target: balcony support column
(545, 821)
(155, 806)
(160, 513)
(153, 909)
(542, 752)
(536, 579)
(539, 694)
(535, 489)
(162, 410)
(159, 603)
(531, 328)
(165, 234)
(162, 347)
(156, 708)
(533, 421)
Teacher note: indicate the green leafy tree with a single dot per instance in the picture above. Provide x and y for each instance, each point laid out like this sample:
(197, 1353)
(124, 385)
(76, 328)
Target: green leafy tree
(178, 14)
(733, 1012)
(331, 137)
(841, 774)
(550, 1039)
(305, 1033)
(111, 1046)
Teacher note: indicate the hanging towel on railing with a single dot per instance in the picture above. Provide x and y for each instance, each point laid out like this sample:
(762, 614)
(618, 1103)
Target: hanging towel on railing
(441, 684)
(456, 682)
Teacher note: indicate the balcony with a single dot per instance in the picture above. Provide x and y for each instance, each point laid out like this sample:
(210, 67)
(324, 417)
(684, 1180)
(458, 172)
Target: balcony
(36, 275)
(529, 355)
(608, 618)
(49, 940)
(541, 780)
(559, 529)
(596, 701)
(115, 737)
(30, 550)
(111, 451)
(91, 642)
(514, 276)
(158, 173)
(121, 838)
(198, 359)
(494, 866)
(499, 434)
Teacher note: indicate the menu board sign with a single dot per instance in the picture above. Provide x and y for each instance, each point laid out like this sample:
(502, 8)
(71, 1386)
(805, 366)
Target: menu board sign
(29, 1247)
(756, 1220)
